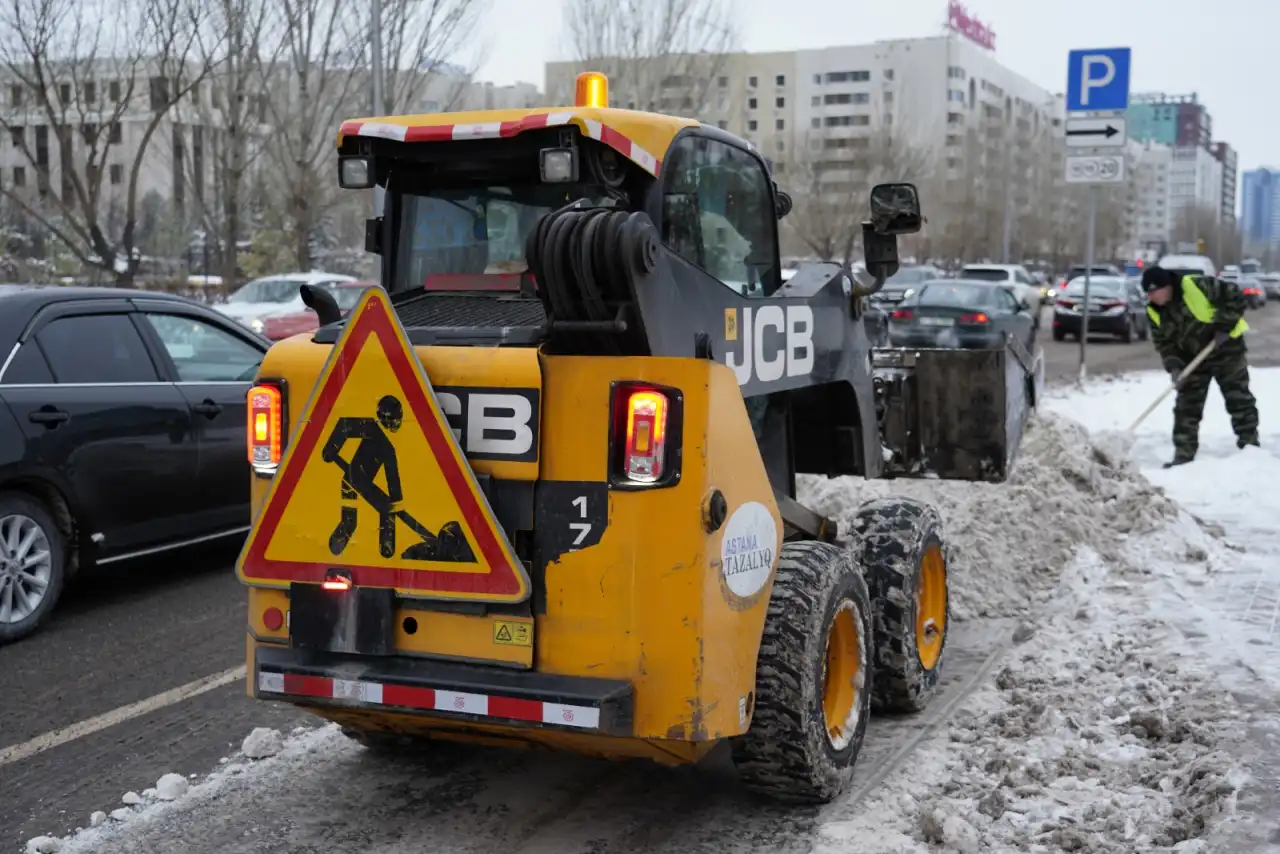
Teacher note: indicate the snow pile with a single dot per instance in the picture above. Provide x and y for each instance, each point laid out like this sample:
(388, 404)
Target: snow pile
(1099, 734)
(174, 792)
(1010, 541)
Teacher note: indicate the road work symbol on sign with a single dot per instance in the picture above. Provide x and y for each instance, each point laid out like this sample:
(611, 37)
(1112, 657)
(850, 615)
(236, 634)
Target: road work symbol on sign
(375, 453)
(373, 481)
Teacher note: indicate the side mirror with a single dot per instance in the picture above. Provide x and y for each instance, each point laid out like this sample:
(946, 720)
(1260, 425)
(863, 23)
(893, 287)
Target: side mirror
(322, 303)
(881, 252)
(895, 209)
(783, 204)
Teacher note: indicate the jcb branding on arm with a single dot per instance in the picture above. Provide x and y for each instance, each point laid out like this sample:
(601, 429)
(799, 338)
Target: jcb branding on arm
(776, 342)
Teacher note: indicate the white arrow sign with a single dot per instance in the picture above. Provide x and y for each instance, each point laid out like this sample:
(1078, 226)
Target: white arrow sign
(1097, 133)
(1095, 169)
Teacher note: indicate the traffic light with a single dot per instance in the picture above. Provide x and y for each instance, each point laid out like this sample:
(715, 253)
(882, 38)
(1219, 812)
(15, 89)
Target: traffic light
(1200, 245)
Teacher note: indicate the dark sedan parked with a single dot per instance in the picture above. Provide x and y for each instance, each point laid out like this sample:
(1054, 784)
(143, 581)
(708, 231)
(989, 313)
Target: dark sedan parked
(955, 313)
(122, 433)
(1117, 306)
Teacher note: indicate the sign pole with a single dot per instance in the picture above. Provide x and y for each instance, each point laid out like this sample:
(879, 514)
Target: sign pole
(1088, 273)
(375, 74)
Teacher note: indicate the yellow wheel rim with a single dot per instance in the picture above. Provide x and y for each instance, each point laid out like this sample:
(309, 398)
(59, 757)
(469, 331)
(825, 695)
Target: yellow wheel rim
(931, 607)
(842, 676)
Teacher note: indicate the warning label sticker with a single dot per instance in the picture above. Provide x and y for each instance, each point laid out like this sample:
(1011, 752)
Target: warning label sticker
(513, 633)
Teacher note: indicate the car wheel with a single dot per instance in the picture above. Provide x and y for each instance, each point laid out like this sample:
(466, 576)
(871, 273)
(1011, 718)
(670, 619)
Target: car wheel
(33, 556)
(1059, 335)
(1128, 334)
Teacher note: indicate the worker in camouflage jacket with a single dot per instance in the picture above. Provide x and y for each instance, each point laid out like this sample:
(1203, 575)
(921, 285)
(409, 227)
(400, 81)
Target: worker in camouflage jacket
(1189, 310)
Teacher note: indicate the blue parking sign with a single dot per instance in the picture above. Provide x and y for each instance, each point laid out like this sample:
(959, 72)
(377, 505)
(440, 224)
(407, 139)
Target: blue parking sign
(1098, 79)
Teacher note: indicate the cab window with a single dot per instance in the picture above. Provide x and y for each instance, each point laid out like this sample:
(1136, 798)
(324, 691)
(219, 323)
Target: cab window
(718, 213)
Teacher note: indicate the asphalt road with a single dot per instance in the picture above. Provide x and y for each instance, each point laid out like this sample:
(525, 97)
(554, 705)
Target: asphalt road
(122, 642)
(1111, 356)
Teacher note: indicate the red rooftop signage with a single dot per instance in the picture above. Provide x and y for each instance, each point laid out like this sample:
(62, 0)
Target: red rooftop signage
(960, 21)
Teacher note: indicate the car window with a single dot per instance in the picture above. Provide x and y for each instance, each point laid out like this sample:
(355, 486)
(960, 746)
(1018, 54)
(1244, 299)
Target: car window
(1005, 301)
(201, 352)
(954, 296)
(96, 348)
(27, 367)
(718, 213)
(985, 275)
(1099, 287)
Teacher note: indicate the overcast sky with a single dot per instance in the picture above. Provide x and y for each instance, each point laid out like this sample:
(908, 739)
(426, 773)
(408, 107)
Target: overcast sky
(1226, 50)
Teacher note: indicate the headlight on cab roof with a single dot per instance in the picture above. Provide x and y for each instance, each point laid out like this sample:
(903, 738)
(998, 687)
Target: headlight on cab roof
(355, 173)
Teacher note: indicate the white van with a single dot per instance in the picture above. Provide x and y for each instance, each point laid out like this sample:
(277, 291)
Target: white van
(1185, 264)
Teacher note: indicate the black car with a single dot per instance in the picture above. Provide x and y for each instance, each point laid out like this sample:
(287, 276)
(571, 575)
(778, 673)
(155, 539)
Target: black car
(122, 433)
(956, 313)
(894, 290)
(1117, 306)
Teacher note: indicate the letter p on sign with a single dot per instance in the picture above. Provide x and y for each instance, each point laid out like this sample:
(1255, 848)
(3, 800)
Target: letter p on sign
(1097, 73)
(1098, 80)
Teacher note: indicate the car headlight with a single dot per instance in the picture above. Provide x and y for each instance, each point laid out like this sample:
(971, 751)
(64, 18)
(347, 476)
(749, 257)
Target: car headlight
(257, 325)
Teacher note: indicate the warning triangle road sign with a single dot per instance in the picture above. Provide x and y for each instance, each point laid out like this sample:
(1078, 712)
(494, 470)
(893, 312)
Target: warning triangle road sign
(373, 482)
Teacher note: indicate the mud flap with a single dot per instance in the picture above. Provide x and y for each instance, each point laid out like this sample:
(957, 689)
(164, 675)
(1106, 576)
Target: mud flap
(955, 414)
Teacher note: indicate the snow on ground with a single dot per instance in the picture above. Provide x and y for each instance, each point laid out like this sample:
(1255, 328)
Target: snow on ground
(1115, 723)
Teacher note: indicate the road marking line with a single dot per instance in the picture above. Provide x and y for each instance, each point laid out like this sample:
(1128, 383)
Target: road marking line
(57, 737)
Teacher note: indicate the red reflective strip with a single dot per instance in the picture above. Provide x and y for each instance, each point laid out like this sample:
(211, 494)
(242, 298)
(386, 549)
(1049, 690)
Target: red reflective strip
(429, 133)
(519, 710)
(308, 686)
(408, 696)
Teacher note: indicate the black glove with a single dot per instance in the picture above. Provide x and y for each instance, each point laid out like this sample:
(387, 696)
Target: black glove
(1220, 338)
(1173, 367)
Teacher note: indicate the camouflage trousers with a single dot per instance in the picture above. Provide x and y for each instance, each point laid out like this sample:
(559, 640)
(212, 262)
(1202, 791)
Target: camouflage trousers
(1230, 370)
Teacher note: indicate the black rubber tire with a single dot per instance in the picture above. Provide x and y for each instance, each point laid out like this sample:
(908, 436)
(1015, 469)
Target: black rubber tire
(892, 536)
(786, 754)
(1144, 333)
(385, 743)
(1129, 332)
(1059, 335)
(34, 509)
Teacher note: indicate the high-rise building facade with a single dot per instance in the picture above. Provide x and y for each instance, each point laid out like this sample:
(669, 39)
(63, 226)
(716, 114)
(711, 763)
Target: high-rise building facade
(1260, 207)
(1176, 120)
(1226, 155)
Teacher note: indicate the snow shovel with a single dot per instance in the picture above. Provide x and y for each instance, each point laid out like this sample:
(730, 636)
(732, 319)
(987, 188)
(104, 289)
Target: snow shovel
(1186, 372)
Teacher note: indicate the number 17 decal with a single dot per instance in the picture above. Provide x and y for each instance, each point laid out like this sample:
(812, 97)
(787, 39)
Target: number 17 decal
(580, 528)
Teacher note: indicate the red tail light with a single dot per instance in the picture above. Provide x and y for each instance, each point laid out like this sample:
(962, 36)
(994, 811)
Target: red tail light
(264, 429)
(337, 579)
(646, 435)
(978, 318)
(1065, 303)
(902, 314)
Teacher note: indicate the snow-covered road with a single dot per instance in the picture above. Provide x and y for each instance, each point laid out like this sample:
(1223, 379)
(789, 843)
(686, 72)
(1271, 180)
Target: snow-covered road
(1117, 684)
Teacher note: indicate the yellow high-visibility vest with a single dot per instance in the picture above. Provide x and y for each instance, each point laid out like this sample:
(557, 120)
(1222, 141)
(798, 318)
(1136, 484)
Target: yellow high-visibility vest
(1199, 306)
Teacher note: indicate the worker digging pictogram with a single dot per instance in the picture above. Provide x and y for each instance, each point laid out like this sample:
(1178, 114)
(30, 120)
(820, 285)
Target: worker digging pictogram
(375, 454)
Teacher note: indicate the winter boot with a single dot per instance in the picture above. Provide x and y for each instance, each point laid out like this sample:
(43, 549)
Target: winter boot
(1248, 439)
(1177, 461)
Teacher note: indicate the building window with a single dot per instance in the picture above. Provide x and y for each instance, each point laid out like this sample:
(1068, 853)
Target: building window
(780, 80)
(117, 134)
(779, 102)
(848, 76)
(19, 176)
(752, 103)
(90, 133)
(752, 125)
(159, 93)
(90, 92)
(956, 95)
(753, 82)
(722, 124)
(64, 93)
(953, 140)
(888, 74)
(815, 123)
(888, 97)
(17, 135)
(779, 124)
(15, 96)
(816, 101)
(955, 72)
(817, 80)
(116, 174)
(847, 121)
(722, 82)
(954, 162)
(954, 118)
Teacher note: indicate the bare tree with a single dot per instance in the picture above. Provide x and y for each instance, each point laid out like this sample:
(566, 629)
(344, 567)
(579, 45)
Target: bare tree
(228, 130)
(659, 55)
(419, 39)
(830, 182)
(81, 87)
(310, 90)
